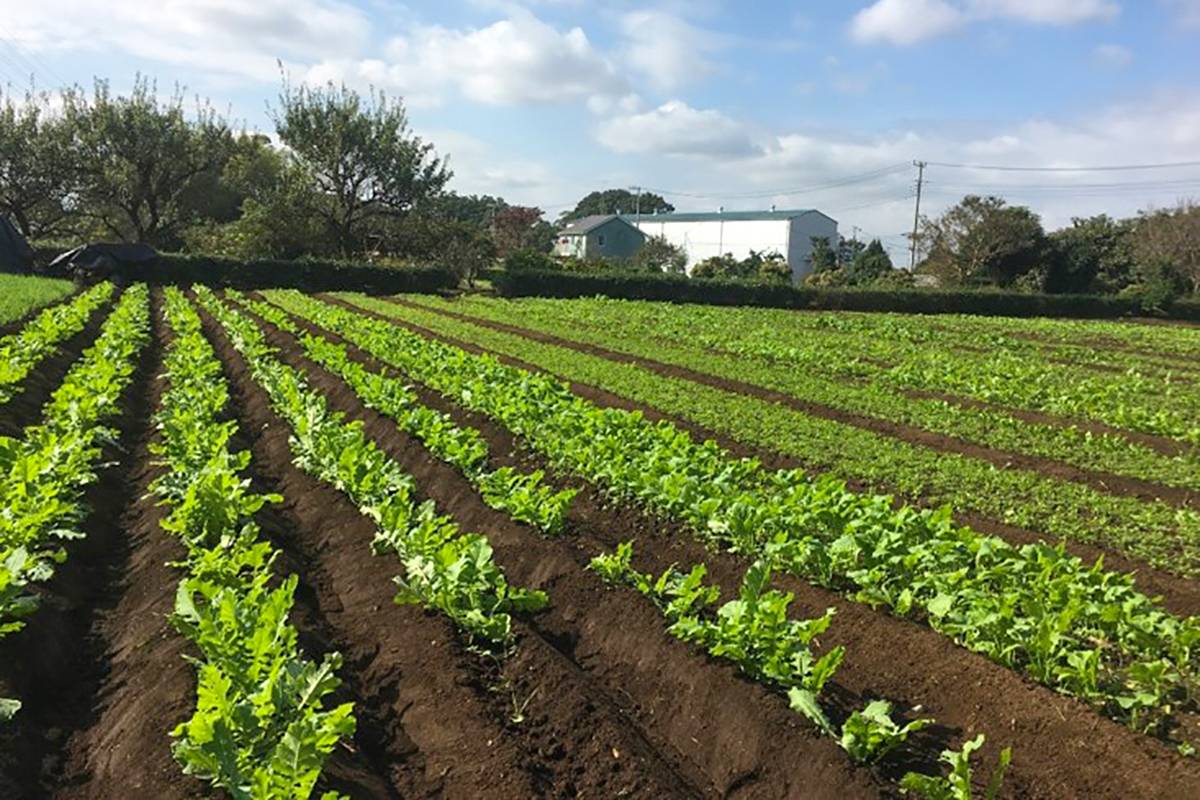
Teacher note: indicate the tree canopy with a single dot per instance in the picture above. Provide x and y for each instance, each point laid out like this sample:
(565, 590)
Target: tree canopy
(617, 201)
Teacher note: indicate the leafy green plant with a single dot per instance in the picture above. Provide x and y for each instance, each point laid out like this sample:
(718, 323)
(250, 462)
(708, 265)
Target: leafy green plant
(870, 733)
(957, 786)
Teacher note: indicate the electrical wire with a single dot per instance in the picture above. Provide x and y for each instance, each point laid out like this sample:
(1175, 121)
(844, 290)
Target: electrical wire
(1116, 168)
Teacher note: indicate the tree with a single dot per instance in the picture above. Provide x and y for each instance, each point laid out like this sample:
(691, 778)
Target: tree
(659, 255)
(1092, 255)
(478, 210)
(869, 265)
(465, 251)
(1170, 239)
(617, 201)
(137, 159)
(516, 228)
(36, 174)
(848, 250)
(824, 257)
(364, 162)
(983, 239)
(724, 267)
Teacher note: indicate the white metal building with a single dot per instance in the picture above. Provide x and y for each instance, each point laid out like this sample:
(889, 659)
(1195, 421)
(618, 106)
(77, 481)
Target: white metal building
(703, 235)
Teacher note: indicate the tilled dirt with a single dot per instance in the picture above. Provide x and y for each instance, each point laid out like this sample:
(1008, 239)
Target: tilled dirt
(1063, 749)
(1180, 595)
(91, 643)
(691, 726)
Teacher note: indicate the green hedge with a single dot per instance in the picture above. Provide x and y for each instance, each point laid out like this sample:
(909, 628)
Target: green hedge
(681, 289)
(306, 274)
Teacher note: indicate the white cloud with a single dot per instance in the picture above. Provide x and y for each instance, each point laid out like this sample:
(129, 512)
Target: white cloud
(228, 37)
(515, 61)
(667, 50)
(1113, 55)
(906, 22)
(1045, 12)
(677, 129)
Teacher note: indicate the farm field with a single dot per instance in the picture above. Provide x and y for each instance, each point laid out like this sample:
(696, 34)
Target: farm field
(22, 294)
(274, 544)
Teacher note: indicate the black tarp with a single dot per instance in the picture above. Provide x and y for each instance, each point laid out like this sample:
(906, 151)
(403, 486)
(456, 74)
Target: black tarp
(15, 253)
(100, 258)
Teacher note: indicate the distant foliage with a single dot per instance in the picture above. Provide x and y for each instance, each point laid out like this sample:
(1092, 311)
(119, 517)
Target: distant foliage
(618, 201)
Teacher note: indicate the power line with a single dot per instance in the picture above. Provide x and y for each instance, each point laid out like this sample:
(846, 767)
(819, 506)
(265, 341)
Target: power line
(34, 64)
(1117, 168)
(816, 187)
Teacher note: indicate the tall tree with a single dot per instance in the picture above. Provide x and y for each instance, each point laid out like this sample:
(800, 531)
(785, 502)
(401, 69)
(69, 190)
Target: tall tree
(363, 159)
(516, 228)
(36, 173)
(1092, 255)
(983, 239)
(1171, 238)
(869, 265)
(138, 157)
(659, 255)
(618, 201)
(824, 257)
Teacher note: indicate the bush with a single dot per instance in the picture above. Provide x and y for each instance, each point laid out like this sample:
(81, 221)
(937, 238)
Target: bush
(306, 274)
(527, 259)
(680, 289)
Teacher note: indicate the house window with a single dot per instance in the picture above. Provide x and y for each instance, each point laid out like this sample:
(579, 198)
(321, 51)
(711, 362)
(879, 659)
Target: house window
(600, 240)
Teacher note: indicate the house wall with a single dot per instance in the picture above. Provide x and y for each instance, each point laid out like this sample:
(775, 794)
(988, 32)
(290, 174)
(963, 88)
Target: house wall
(802, 230)
(704, 239)
(613, 239)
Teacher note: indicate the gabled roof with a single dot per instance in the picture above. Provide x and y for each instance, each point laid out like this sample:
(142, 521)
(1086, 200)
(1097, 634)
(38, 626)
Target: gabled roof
(585, 225)
(727, 216)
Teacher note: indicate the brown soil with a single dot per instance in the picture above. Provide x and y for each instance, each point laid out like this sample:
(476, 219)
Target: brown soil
(70, 663)
(905, 662)
(1102, 481)
(659, 698)
(448, 711)
(25, 406)
(1180, 595)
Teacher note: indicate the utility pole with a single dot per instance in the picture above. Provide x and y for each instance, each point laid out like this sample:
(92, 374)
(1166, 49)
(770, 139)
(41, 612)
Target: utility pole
(920, 165)
(637, 205)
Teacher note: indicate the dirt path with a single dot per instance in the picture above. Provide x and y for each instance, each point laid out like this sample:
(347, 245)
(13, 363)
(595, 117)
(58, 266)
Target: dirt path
(905, 662)
(1180, 595)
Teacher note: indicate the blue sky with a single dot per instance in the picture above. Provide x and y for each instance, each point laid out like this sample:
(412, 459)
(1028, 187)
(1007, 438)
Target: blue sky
(821, 104)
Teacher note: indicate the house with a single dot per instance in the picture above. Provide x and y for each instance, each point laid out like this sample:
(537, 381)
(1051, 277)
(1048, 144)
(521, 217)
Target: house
(703, 235)
(599, 236)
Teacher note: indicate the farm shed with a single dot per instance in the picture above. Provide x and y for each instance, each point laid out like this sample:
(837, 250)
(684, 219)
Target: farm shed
(599, 236)
(703, 235)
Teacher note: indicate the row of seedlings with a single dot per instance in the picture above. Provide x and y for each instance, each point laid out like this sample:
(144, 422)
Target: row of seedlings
(261, 728)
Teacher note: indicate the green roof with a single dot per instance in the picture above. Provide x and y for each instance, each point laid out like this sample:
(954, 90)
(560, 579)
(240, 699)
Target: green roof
(727, 216)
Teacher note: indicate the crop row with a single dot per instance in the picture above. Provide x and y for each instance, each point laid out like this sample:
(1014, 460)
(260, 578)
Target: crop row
(754, 631)
(44, 473)
(520, 495)
(39, 337)
(1133, 399)
(1162, 535)
(260, 729)
(444, 568)
(1081, 630)
(839, 379)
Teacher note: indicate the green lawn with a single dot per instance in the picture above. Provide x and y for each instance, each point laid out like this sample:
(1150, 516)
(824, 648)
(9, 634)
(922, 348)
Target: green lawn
(20, 294)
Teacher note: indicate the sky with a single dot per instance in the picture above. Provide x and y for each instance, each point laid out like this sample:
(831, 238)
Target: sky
(713, 103)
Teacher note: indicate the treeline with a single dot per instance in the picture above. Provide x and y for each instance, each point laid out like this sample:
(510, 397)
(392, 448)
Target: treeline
(343, 177)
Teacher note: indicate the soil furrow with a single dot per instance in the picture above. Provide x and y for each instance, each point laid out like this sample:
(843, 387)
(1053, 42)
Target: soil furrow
(720, 733)
(25, 406)
(58, 663)
(424, 695)
(1180, 595)
(965, 693)
(147, 687)
(1120, 485)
